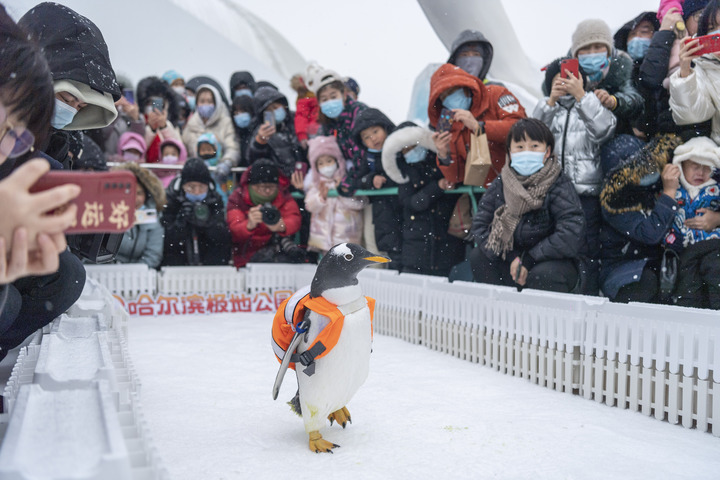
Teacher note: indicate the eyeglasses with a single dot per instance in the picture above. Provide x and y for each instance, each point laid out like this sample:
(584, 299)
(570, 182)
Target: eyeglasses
(14, 143)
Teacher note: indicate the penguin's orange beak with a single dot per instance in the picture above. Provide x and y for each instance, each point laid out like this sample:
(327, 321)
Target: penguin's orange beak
(377, 259)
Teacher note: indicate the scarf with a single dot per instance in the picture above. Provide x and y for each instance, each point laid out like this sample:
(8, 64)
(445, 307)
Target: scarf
(258, 199)
(522, 195)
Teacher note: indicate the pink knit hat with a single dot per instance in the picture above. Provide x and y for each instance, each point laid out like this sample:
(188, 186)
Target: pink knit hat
(319, 146)
(130, 140)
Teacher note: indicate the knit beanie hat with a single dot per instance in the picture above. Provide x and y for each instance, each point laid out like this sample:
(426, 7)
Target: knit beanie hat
(195, 170)
(320, 146)
(691, 6)
(170, 76)
(352, 84)
(589, 32)
(263, 171)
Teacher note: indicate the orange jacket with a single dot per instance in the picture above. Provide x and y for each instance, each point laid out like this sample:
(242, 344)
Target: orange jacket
(285, 321)
(492, 104)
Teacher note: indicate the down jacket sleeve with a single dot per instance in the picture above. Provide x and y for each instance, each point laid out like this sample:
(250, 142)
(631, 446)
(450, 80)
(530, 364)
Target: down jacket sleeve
(691, 100)
(599, 121)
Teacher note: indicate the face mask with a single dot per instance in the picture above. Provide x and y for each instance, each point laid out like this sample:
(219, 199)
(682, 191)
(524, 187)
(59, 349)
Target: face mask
(179, 90)
(332, 108)
(243, 91)
(415, 155)
(63, 115)
(593, 64)
(195, 197)
(328, 170)
(637, 47)
(280, 114)
(471, 65)
(205, 111)
(191, 103)
(131, 157)
(714, 32)
(242, 120)
(456, 100)
(527, 163)
(374, 150)
(169, 159)
(208, 156)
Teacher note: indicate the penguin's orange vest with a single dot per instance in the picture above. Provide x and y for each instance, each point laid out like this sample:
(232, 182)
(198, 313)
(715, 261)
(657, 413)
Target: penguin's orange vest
(292, 311)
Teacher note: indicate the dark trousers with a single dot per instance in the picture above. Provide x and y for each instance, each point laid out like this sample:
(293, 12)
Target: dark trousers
(550, 275)
(699, 275)
(644, 290)
(591, 248)
(33, 302)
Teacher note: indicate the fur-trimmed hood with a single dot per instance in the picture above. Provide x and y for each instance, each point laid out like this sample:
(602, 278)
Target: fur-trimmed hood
(394, 144)
(150, 182)
(632, 183)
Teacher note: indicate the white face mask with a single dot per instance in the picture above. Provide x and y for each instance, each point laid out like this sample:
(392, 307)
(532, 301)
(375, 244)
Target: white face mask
(328, 170)
(179, 90)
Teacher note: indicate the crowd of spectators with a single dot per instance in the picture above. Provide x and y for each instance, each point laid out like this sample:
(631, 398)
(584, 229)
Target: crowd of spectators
(608, 186)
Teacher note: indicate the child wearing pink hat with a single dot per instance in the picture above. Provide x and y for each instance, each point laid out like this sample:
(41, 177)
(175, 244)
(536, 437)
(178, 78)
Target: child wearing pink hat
(334, 219)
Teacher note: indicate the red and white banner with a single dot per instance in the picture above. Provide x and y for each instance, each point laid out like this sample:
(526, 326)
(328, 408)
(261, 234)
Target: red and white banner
(206, 304)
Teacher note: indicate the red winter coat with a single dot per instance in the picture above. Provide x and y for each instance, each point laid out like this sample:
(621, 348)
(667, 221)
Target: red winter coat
(306, 115)
(245, 243)
(492, 104)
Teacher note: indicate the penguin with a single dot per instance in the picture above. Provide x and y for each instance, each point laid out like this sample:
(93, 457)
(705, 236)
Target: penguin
(332, 375)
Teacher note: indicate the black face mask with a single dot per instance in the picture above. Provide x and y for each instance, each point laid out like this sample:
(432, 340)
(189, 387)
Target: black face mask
(208, 156)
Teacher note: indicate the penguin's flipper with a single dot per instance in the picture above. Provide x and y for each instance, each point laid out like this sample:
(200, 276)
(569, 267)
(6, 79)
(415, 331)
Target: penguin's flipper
(342, 417)
(319, 444)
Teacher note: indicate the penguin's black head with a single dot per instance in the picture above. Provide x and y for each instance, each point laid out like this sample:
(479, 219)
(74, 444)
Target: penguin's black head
(340, 266)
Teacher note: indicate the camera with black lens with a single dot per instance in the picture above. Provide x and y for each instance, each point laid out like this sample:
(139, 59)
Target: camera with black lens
(270, 214)
(202, 212)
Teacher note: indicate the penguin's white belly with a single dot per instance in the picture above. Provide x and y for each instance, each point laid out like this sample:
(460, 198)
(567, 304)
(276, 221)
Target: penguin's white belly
(339, 374)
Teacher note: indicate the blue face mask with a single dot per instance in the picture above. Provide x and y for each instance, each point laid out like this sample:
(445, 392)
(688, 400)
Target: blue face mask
(638, 47)
(526, 163)
(242, 120)
(457, 99)
(280, 114)
(593, 64)
(374, 150)
(63, 115)
(195, 197)
(416, 155)
(206, 111)
(243, 91)
(191, 103)
(332, 108)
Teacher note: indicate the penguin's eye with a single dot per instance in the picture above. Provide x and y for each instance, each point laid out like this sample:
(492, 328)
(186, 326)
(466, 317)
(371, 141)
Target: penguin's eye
(349, 256)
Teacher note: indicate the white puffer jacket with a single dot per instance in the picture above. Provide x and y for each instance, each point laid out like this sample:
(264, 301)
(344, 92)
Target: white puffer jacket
(696, 98)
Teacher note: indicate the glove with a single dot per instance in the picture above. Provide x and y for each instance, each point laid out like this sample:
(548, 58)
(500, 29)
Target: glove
(222, 172)
(187, 210)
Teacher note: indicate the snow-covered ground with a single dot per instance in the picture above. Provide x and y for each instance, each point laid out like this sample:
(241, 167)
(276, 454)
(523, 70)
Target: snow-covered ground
(206, 392)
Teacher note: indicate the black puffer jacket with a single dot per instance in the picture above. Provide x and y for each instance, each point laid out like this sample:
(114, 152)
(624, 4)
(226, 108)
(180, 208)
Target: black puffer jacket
(554, 231)
(371, 165)
(73, 45)
(238, 78)
(283, 148)
(620, 83)
(213, 235)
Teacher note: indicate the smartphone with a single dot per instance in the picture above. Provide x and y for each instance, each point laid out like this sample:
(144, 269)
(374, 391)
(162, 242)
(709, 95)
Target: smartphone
(301, 167)
(445, 121)
(570, 65)
(154, 103)
(146, 216)
(129, 95)
(709, 43)
(106, 203)
(269, 117)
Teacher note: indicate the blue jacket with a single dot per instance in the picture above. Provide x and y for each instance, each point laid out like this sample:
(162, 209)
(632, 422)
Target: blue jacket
(681, 236)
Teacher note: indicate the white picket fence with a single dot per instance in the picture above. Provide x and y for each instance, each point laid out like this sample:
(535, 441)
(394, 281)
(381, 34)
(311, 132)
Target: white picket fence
(658, 360)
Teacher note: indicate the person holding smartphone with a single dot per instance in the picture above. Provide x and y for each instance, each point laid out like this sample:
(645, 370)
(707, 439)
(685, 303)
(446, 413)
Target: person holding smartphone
(159, 107)
(39, 277)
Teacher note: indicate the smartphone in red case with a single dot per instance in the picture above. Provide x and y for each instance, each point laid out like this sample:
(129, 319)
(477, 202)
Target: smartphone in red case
(709, 43)
(106, 203)
(570, 65)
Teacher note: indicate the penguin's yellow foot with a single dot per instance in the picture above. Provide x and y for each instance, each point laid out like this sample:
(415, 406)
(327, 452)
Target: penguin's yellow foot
(318, 444)
(342, 417)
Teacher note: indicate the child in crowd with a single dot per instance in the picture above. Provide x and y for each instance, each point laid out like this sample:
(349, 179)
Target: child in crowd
(699, 270)
(131, 147)
(306, 111)
(211, 151)
(581, 125)
(172, 152)
(334, 219)
(408, 158)
(383, 218)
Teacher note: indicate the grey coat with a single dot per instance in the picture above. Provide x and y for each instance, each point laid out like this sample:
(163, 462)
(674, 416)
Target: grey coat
(142, 244)
(580, 129)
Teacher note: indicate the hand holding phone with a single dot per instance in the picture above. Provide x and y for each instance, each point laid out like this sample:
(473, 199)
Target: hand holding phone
(106, 201)
(570, 65)
(707, 43)
(445, 121)
(269, 117)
